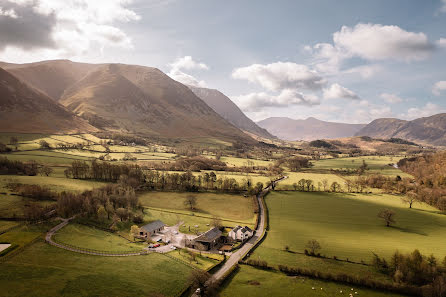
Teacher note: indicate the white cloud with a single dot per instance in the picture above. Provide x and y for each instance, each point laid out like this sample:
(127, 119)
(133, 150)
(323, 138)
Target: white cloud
(365, 71)
(8, 13)
(379, 42)
(443, 7)
(255, 102)
(71, 28)
(428, 110)
(441, 42)
(187, 63)
(336, 91)
(391, 98)
(280, 75)
(439, 87)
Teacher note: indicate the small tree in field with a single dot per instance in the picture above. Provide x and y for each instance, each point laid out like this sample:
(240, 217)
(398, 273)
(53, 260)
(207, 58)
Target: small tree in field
(313, 245)
(134, 231)
(13, 140)
(46, 170)
(44, 144)
(410, 198)
(122, 213)
(191, 202)
(388, 216)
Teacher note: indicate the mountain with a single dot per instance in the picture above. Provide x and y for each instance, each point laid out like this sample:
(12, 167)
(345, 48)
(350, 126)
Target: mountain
(23, 109)
(428, 130)
(229, 111)
(146, 101)
(309, 129)
(50, 77)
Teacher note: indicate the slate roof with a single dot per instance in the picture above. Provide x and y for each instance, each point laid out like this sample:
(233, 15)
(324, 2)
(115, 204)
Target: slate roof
(246, 229)
(209, 236)
(243, 229)
(155, 225)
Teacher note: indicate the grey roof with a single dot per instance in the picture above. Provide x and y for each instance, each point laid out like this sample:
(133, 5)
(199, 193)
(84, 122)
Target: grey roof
(246, 228)
(236, 228)
(209, 235)
(155, 225)
(243, 229)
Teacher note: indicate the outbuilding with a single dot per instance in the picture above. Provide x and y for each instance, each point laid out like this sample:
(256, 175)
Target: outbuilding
(151, 228)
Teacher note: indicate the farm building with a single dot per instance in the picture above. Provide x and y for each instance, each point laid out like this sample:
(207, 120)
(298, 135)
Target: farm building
(241, 233)
(207, 241)
(151, 228)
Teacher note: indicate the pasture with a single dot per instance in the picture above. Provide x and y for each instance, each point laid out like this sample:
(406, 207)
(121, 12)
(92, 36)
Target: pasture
(225, 206)
(44, 270)
(376, 164)
(294, 177)
(91, 238)
(250, 281)
(347, 226)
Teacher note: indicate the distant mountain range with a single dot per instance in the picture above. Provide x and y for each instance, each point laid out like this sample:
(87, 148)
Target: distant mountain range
(428, 130)
(309, 129)
(126, 98)
(229, 110)
(25, 110)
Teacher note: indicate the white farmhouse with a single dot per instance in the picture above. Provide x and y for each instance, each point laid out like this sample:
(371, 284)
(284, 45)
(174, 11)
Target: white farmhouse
(241, 233)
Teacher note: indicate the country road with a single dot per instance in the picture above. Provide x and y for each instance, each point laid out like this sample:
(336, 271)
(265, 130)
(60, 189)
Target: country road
(259, 233)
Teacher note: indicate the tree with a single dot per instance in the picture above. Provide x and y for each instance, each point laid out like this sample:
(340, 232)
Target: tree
(335, 187)
(308, 183)
(109, 209)
(122, 213)
(216, 222)
(134, 231)
(295, 186)
(325, 184)
(191, 202)
(388, 216)
(410, 198)
(199, 278)
(45, 170)
(44, 144)
(102, 213)
(13, 141)
(313, 245)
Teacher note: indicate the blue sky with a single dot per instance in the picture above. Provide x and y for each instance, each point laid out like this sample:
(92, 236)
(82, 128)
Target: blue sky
(350, 61)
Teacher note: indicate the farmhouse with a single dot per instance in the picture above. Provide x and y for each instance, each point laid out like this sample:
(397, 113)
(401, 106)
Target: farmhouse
(241, 233)
(208, 240)
(151, 228)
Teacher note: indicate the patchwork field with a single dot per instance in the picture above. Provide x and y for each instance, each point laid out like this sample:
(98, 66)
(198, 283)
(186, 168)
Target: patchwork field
(44, 270)
(250, 281)
(294, 177)
(347, 226)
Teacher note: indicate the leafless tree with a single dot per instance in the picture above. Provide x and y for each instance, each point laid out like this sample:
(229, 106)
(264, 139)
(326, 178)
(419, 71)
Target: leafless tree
(388, 216)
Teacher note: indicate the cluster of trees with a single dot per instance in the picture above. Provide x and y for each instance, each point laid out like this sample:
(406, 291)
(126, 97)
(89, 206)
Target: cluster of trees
(415, 269)
(111, 201)
(192, 164)
(162, 180)
(104, 171)
(17, 167)
(296, 163)
(36, 192)
(4, 148)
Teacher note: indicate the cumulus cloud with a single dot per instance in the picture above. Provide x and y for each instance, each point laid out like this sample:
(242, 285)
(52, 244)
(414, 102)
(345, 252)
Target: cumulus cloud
(365, 71)
(336, 91)
(280, 75)
(439, 87)
(391, 98)
(187, 63)
(443, 7)
(63, 28)
(255, 102)
(425, 111)
(372, 42)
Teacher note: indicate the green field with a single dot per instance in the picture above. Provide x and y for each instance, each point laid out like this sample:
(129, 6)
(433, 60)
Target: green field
(208, 204)
(376, 164)
(43, 270)
(239, 162)
(95, 239)
(294, 177)
(347, 226)
(201, 261)
(5, 225)
(250, 281)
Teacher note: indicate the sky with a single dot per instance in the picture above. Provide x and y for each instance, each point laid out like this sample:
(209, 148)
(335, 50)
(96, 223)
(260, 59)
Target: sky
(344, 61)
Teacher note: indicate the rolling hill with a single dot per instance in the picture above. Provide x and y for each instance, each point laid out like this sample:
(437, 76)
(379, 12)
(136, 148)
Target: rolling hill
(309, 129)
(23, 109)
(229, 111)
(146, 101)
(428, 130)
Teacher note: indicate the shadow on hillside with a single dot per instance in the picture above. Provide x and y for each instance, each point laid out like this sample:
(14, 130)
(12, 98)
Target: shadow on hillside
(409, 230)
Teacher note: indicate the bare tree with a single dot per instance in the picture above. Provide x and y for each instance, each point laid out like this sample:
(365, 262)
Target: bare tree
(388, 216)
(191, 202)
(313, 245)
(45, 170)
(410, 198)
(325, 184)
(216, 222)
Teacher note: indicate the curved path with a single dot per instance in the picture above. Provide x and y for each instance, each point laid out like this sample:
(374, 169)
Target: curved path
(49, 239)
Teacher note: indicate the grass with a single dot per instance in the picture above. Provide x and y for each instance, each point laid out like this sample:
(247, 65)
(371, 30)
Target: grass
(4, 225)
(250, 281)
(201, 261)
(209, 204)
(55, 183)
(347, 226)
(45, 157)
(238, 162)
(24, 234)
(43, 270)
(95, 239)
(376, 164)
(294, 177)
